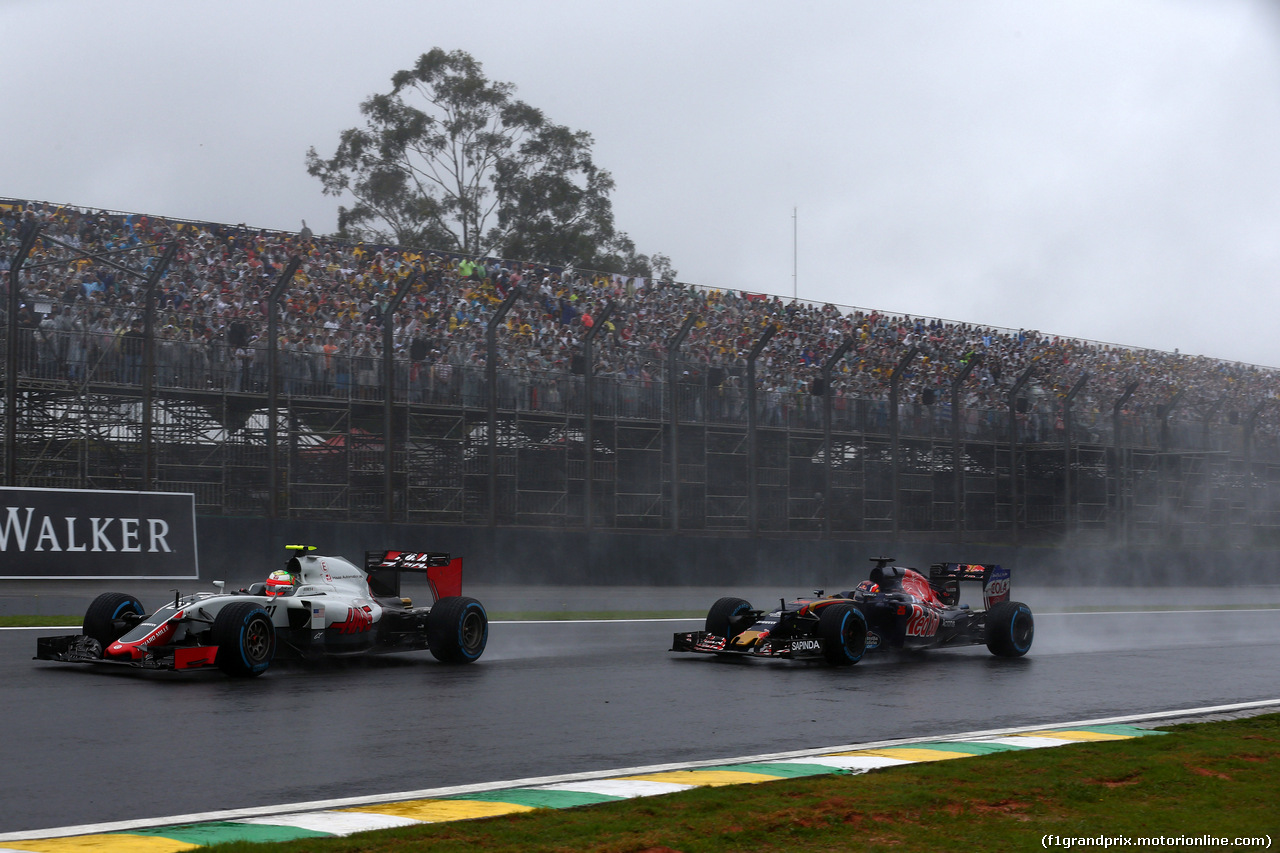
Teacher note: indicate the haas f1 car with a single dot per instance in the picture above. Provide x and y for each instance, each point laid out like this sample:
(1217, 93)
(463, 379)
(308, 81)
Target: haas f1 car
(314, 608)
(895, 608)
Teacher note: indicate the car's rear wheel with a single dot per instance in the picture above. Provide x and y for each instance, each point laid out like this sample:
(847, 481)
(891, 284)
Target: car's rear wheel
(1010, 629)
(245, 638)
(108, 617)
(729, 616)
(843, 630)
(457, 629)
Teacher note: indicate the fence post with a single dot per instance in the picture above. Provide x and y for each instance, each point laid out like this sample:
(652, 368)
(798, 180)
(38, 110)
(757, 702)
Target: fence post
(273, 384)
(589, 415)
(957, 455)
(389, 399)
(1013, 448)
(894, 455)
(673, 352)
(1165, 411)
(1117, 461)
(753, 474)
(826, 432)
(149, 362)
(1071, 516)
(12, 356)
(491, 377)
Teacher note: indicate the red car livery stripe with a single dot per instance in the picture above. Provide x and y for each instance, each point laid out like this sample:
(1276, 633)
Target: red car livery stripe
(136, 649)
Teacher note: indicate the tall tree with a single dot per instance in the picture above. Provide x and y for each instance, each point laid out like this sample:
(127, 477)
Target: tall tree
(451, 160)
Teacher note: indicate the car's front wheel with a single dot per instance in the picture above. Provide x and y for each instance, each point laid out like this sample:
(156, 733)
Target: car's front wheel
(110, 616)
(843, 630)
(1010, 629)
(457, 629)
(245, 638)
(728, 616)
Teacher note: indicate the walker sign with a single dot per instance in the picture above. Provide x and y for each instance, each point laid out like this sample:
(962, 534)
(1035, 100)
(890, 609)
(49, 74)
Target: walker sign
(82, 533)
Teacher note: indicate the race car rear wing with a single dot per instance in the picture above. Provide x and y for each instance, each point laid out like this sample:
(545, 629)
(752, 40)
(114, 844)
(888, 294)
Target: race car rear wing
(945, 578)
(444, 573)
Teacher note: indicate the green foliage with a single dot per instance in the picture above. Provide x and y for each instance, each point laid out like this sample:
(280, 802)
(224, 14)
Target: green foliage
(450, 160)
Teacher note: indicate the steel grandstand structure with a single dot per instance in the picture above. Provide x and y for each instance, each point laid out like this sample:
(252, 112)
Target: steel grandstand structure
(493, 445)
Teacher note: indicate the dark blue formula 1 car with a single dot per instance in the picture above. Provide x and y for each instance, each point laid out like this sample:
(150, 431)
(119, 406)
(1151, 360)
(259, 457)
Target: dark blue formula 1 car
(895, 608)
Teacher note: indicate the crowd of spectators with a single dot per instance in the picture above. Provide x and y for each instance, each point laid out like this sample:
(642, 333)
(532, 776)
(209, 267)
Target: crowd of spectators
(81, 318)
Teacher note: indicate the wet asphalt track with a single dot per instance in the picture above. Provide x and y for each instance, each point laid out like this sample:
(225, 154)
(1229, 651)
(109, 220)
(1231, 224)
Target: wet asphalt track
(84, 745)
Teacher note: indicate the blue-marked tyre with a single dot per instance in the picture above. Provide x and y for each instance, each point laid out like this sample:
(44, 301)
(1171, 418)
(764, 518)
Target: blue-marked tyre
(457, 630)
(729, 616)
(111, 615)
(245, 638)
(843, 630)
(1010, 629)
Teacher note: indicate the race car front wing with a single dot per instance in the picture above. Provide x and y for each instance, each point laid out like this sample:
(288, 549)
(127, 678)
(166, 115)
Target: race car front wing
(798, 648)
(78, 648)
(791, 648)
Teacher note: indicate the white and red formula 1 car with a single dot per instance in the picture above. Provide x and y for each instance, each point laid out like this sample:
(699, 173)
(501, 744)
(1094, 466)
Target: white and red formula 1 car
(317, 608)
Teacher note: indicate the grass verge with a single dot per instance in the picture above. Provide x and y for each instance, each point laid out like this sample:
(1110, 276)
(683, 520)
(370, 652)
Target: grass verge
(1209, 779)
(39, 621)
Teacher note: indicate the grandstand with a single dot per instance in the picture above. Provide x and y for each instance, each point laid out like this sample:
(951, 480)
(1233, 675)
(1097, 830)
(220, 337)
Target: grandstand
(397, 384)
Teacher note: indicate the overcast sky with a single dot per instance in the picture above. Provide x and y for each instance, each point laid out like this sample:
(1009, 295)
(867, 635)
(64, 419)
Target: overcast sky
(1100, 169)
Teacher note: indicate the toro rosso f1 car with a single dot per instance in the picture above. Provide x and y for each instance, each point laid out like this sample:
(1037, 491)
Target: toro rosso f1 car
(895, 608)
(314, 608)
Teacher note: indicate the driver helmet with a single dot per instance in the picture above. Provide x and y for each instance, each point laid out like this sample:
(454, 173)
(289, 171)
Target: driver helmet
(279, 582)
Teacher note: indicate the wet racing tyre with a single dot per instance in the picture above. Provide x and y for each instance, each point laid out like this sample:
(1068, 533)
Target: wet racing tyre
(106, 619)
(457, 629)
(245, 638)
(1010, 629)
(843, 630)
(729, 616)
